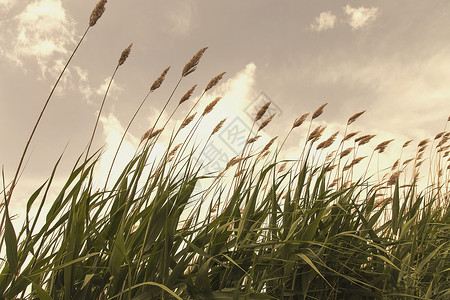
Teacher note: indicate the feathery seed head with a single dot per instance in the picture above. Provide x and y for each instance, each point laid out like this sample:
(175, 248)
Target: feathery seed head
(267, 146)
(300, 120)
(395, 165)
(124, 55)
(382, 146)
(187, 95)
(354, 117)
(393, 179)
(318, 112)
(253, 139)
(145, 135)
(357, 160)
(328, 142)
(155, 133)
(423, 143)
(233, 161)
(365, 140)
(407, 161)
(188, 120)
(357, 140)
(210, 106)
(174, 150)
(282, 167)
(262, 111)
(191, 66)
(319, 134)
(330, 168)
(350, 135)
(443, 141)
(97, 12)
(214, 81)
(160, 80)
(407, 143)
(347, 167)
(439, 135)
(266, 122)
(264, 154)
(330, 156)
(422, 149)
(314, 133)
(150, 134)
(346, 152)
(218, 126)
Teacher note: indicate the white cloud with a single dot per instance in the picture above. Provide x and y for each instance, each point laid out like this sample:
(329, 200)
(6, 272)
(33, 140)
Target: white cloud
(114, 89)
(6, 5)
(236, 92)
(42, 31)
(361, 16)
(326, 20)
(113, 132)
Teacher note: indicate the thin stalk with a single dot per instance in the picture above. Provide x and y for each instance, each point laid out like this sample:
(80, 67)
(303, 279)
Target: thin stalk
(14, 182)
(100, 112)
(123, 137)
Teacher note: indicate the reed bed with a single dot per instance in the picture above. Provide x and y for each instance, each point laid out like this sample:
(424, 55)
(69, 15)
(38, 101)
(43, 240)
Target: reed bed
(263, 228)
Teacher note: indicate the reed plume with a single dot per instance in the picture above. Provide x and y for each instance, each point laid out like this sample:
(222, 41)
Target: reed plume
(350, 135)
(218, 126)
(267, 146)
(346, 152)
(327, 143)
(262, 111)
(365, 139)
(318, 112)
(393, 178)
(266, 122)
(191, 66)
(423, 143)
(125, 54)
(214, 81)
(299, 121)
(210, 106)
(187, 95)
(188, 120)
(160, 80)
(355, 117)
(97, 12)
(382, 146)
(406, 143)
(253, 139)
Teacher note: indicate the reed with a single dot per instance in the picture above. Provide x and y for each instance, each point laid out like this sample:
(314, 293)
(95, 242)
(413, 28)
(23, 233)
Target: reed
(263, 227)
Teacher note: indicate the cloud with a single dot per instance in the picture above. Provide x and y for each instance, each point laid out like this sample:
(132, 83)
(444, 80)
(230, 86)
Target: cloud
(112, 133)
(361, 16)
(6, 5)
(114, 89)
(41, 32)
(180, 18)
(326, 20)
(237, 93)
(400, 95)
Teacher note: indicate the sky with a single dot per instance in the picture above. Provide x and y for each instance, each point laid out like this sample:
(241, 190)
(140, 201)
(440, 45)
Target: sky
(391, 58)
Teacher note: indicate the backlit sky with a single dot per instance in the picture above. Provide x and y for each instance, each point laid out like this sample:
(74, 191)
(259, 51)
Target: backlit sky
(391, 58)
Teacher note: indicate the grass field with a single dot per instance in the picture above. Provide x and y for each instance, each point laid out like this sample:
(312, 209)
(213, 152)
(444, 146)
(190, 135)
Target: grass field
(322, 226)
